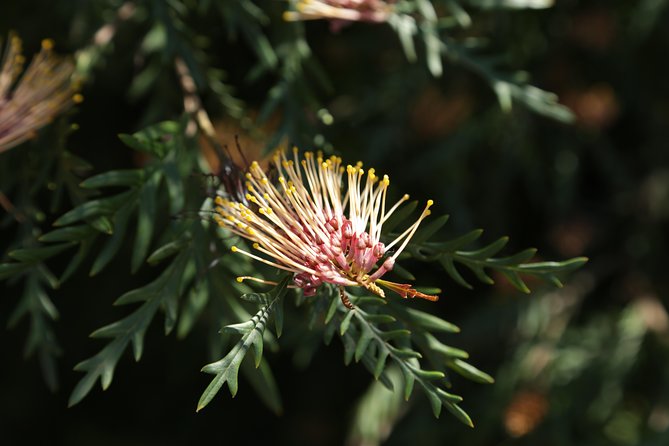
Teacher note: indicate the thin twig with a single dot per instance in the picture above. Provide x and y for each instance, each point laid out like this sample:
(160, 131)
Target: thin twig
(8, 206)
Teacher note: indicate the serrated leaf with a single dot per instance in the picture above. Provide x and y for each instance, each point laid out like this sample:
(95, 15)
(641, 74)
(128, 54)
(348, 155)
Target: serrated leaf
(227, 368)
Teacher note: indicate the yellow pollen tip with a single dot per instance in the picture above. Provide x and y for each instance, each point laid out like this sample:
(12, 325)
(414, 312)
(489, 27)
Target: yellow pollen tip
(256, 246)
(295, 150)
(219, 201)
(234, 249)
(282, 180)
(240, 279)
(255, 165)
(78, 98)
(249, 176)
(430, 203)
(405, 197)
(47, 44)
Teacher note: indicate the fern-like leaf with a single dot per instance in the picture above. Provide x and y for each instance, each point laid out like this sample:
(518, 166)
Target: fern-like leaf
(227, 368)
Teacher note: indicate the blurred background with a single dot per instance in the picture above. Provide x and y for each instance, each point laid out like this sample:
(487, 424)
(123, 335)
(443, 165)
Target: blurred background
(587, 364)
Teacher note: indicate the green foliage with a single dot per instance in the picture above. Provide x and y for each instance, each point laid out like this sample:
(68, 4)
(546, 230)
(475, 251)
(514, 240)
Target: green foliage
(136, 217)
(252, 331)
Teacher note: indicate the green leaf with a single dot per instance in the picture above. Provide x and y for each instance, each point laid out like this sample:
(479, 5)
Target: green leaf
(157, 140)
(78, 258)
(425, 320)
(227, 368)
(114, 243)
(103, 206)
(346, 323)
(167, 250)
(12, 269)
(102, 224)
(68, 234)
(469, 371)
(129, 178)
(455, 244)
(447, 262)
(146, 216)
(487, 251)
(516, 281)
(35, 255)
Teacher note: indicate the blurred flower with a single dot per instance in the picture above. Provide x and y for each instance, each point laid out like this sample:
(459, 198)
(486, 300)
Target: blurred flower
(526, 410)
(302, 226)
(341, 11)
(596, 107)
(43, 91)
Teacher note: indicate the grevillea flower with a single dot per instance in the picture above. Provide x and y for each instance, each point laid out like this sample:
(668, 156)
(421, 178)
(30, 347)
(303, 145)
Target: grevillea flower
(375, 11)
(45, 90)
(320, 221)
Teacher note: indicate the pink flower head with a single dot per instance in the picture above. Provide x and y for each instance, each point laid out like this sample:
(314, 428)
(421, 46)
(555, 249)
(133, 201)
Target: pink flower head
(341, 11)
(322, 222)
(43, 91)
